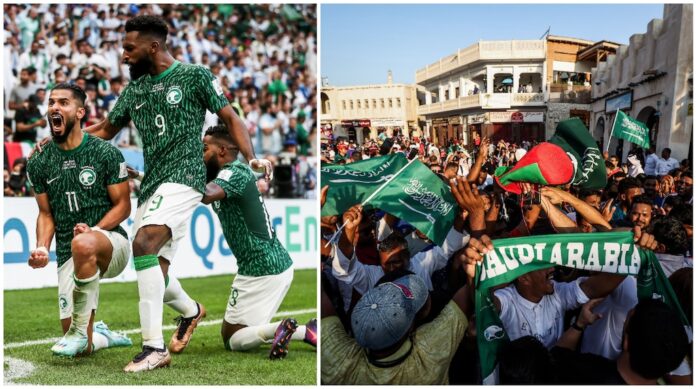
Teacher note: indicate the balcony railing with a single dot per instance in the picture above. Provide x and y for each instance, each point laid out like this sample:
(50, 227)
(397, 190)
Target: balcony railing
(564, 93)
(486, 101)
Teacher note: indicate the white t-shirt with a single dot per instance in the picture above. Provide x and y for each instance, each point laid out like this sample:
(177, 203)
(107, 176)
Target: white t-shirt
(604, 336)
(543, 320)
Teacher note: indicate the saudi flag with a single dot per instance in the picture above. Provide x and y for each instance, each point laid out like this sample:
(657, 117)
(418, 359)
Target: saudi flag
(609, 252)
(407, 190)
(631, 130)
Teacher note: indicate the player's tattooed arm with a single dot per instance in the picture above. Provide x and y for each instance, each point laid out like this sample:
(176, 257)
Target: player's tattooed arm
(120, 198)
(103, 129)
(45, 229)
(213, 192)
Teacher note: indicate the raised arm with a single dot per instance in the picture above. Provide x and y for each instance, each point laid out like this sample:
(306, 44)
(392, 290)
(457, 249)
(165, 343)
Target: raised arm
(238, 131)
(480, 159)
(103, 129)
(588, 212)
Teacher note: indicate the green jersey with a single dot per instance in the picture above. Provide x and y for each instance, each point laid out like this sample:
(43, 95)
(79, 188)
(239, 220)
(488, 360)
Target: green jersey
(75, 182)
(246, 225)
(169, 112)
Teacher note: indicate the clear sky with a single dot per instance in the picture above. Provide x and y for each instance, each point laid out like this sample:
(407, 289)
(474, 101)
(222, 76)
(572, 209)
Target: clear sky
(360, 42)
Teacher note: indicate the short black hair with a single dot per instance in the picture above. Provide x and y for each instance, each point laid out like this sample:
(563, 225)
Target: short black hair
(642, 199)
(687, 173)
(670, 232)
(629, 183)
(684, 213)
(395, 240)
(657, 341)
(525, 361)
(77, 92)
(589, 192)
(150, 25)
(673, 201)
(219, 132)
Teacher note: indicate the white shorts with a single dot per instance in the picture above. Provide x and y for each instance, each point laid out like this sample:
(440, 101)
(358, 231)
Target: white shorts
(255, 300)
(171, 205)
(119, 260)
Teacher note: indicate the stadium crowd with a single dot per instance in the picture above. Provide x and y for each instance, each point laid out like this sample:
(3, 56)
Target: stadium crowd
(263, 55)
(559, 330)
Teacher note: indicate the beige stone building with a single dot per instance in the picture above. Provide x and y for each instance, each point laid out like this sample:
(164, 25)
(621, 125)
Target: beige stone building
(361, 112)
(515, 90)
(651, 80)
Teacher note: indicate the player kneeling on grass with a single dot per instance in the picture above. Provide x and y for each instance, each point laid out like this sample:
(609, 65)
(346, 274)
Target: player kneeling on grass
(82, 191)
(265, 268)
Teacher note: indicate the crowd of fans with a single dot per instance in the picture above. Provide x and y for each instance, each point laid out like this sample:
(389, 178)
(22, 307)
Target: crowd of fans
(623, 340)
(263, 55)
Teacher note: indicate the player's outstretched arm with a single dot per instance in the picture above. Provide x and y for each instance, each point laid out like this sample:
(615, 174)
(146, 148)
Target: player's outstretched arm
(121, 209)
(213, 192)
(238, 131)
(103, 129)
(45, 228)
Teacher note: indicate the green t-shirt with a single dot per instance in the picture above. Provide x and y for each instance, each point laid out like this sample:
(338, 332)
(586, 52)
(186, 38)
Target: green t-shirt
(246, 224)
(76, 184)
(169, 112)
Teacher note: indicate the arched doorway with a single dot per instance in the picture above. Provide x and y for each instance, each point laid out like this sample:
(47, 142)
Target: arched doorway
(325, 107)
(651, 118)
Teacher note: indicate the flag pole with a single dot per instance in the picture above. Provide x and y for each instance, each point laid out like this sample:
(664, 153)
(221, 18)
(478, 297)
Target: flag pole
(612, 129)
(333, 237)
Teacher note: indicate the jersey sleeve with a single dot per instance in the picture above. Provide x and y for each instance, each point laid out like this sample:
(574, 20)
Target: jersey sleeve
(34, 175)
(233, 181)
(115, 165)
(120, 116)
(210, 91)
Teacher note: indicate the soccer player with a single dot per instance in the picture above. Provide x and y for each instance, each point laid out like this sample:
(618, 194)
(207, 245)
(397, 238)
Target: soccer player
(82, 192)
(265, 268)
(167, 101)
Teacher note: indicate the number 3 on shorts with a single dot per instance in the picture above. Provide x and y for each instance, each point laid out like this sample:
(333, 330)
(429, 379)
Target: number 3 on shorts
(155, 203)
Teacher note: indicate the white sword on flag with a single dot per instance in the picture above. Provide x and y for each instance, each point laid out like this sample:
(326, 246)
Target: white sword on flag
(336, 234)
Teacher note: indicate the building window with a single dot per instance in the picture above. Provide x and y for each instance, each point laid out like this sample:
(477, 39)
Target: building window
(382, 100)
(344, 104)
(367, 104)
(358, 104)
(391, 103)
(374, 103)
(351, 105)
(398, 102)
(456, 92)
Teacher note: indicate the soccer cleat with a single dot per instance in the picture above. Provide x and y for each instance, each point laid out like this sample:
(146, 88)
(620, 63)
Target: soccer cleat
(74, 342)
(115, 339)
(311, 332)
(186, 325)
(283, 333)
(149, 359)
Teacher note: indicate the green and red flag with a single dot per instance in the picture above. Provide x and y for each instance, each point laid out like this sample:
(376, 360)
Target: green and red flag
(629, 129)
(407, 190)
(609, 252)
(570, 156)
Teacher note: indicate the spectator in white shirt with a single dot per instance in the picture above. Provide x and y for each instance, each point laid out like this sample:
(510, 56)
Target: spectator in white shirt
(666, 164)
(650, 161)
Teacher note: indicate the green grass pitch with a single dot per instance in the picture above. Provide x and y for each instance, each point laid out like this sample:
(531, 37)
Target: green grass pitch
(32, 315)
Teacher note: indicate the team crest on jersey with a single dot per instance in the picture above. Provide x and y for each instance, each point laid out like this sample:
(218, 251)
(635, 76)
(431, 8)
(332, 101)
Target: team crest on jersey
(174, 95)
(87, 176)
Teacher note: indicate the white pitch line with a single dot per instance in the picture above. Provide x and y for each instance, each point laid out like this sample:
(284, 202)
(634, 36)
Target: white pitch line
(17, 368)
(137, 330)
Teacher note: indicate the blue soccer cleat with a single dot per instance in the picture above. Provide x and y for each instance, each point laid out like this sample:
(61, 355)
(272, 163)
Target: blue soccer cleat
(74, 342)
(115, 339)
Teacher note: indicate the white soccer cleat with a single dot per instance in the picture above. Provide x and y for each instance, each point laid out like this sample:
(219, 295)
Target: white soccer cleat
(74, 342)
(115, 339)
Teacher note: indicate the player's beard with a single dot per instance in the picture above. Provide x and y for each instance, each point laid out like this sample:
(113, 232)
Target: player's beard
(212, 168)
(68, 124)
(140, 68)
